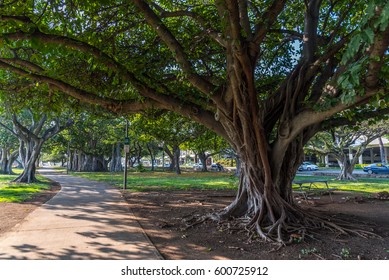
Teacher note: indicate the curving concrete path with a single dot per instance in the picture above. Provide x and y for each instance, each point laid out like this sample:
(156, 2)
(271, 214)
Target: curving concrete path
(85, 220)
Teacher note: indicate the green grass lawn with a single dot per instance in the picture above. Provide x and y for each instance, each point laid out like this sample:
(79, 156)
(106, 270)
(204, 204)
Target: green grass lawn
(145, 181)
(18, 192)
(362, 185)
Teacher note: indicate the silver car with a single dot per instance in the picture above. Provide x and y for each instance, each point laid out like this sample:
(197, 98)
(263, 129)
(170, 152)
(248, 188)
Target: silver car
(308, 166)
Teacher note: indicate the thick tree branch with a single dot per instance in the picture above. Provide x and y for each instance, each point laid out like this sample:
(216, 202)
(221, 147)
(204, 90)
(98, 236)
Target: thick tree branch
(376, 54)
(214, 34)
(267, 20)
(38, 128)
(154, 99)
(22, 132)
(22, 19)
(8, 129)
(342, 121)
(199, 82)
(335, 30)
(234, 22)
(74, 44)
(108, 103)
(310, 30)
(308, 118)
(24, 63)
(244, 18)
(57, 128)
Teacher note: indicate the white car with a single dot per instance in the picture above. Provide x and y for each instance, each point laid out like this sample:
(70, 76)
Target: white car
(308, 166)
(198, 166)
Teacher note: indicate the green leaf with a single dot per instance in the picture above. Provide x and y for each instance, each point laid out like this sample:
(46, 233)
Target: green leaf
(368, 35)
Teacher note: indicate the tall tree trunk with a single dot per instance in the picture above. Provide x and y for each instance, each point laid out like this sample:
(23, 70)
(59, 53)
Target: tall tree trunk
(203, 159)
(11, 160)
(264, 201)
(28, 174)
(152, 156)
(119, 166)
(73, 161)
(345, 169)
(346, 164)
(4, 161)
(22, 152)
(171, 157)
(80, 160)
(112, 166)
(116, 161)
(382, 150)
(177, 153)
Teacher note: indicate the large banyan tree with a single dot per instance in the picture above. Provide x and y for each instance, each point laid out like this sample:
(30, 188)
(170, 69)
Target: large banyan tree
(265, 75)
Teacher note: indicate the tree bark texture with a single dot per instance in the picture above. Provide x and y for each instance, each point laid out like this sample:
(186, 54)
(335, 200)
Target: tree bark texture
(176, 157)
(116, 158)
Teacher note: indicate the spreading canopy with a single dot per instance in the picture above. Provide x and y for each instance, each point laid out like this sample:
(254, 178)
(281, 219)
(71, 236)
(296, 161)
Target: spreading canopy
(264, 75)
(128, 57)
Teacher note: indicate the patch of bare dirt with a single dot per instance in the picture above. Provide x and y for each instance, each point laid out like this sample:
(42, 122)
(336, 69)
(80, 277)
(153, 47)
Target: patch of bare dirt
(161, 214)
(12, 214)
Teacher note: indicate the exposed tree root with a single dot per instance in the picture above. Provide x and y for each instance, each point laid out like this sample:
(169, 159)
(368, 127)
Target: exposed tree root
(291, 226)
(347, 176)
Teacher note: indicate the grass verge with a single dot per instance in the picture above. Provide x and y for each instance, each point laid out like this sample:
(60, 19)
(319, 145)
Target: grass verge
(19, 192)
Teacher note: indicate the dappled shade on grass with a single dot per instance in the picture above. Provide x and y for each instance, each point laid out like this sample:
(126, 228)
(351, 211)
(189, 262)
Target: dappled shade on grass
(144, 181)
(19, 192)
(362, 185)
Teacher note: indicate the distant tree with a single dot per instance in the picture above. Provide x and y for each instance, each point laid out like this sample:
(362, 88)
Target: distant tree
(94, 142)
(8, 147)
(205, 143)
(170, 129)
(344, 140)
(33, 130)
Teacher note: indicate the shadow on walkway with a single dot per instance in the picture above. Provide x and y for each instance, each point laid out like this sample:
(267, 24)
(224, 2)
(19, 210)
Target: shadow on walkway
(85, 220)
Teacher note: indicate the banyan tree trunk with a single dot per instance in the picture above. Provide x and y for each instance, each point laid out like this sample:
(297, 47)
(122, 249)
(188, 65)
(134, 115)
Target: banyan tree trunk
(28, 174)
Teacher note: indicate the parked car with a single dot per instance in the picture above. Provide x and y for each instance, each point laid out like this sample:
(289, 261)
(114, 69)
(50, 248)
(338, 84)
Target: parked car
(217, 167)
(376, 168)
(198, 166)
(308, 166)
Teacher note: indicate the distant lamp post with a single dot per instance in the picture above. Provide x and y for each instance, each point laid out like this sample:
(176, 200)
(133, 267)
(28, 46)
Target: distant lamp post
(126, 151)
(68, 158)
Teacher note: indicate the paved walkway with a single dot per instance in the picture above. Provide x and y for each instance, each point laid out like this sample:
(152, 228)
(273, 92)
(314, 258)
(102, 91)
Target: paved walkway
(85, 220)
